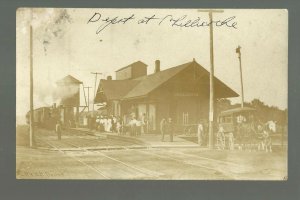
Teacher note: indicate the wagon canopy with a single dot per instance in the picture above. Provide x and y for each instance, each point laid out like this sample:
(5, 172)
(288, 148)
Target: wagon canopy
(236, 110)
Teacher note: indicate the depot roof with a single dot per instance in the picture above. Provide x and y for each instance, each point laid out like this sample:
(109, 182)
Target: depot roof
(142, 86)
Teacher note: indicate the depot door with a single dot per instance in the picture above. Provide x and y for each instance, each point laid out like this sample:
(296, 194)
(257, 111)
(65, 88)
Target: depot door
(152, 118)
(141, 110)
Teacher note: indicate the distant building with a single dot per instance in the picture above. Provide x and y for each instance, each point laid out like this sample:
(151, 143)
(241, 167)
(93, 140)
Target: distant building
(132, 71)
(69, 91)
(69, 94)
(180, 92)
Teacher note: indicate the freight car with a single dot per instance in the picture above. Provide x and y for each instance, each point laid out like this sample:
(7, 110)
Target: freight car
(44, 117)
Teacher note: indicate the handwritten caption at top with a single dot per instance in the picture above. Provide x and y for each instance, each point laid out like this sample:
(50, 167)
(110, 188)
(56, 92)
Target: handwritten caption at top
(173, 21)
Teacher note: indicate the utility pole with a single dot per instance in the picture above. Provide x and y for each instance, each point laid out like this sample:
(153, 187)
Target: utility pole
(31, 132)
(211, 78)
(96, 73)
(238, 51)
(84, 95)
(88, 88)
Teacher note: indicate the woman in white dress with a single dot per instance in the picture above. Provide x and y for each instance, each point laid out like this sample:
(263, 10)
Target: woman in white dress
(105, 124)
(109, 124)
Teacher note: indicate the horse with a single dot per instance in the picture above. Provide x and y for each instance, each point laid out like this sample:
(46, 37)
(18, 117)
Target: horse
(272, 126)
(264, 135)
(256, 136)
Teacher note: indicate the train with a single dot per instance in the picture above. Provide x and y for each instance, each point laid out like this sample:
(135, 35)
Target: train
(48, 116)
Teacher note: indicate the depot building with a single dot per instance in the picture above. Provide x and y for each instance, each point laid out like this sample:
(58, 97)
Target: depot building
(180, 92)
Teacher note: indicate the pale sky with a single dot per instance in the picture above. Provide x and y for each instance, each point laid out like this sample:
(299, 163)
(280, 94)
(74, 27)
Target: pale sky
(77, 49)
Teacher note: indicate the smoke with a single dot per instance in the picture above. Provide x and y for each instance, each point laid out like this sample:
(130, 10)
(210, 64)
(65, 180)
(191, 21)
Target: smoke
(49, 28)
(67, 91)
(50, 24)
(47, 95)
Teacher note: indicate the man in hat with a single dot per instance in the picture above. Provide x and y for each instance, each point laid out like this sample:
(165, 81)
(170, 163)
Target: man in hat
(163, 128)
(58, 129)
(97, 123)
(170, 128)
(200, 134)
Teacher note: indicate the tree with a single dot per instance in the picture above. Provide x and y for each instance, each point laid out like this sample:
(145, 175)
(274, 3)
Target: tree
(264, 112)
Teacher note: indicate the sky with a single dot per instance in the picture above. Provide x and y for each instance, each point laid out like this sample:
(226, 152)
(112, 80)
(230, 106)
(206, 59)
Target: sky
(65, 43)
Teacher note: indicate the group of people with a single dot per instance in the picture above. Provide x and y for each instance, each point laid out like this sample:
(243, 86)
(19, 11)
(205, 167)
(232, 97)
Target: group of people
(137, 127)
(221, 139)
(134, 126)
(115, 124)
(105, 123)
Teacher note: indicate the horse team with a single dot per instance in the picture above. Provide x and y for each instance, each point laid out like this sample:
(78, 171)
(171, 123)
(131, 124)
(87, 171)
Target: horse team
(252, 137)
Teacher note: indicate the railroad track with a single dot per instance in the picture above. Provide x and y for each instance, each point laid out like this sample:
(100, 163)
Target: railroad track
(129, 165)
(209, 163)
(231, 164)
(145, 172)
(199, 161)
(78, 160)
(93, 139)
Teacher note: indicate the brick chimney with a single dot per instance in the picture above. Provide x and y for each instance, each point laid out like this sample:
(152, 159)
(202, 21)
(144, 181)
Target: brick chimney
(157, 66)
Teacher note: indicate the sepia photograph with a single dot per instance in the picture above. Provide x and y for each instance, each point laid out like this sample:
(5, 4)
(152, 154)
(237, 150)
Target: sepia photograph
(151, 94)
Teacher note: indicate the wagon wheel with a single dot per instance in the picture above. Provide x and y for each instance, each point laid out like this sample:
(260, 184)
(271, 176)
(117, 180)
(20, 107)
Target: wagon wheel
(186, 130)
(189, 130)
(193, 130)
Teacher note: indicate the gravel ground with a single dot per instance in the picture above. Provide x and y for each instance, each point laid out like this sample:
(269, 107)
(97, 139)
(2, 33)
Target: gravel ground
(72, 160)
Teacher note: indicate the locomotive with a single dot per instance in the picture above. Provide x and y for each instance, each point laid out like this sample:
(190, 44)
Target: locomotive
(47, 117)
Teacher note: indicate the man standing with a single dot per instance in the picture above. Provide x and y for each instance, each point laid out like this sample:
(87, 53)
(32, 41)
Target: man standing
(170, 128)
(162, 128)
(58, 129)
(200, 133)
(133, 128)
(114, 124)
(138, 127)
(97, 123)
(144, 122)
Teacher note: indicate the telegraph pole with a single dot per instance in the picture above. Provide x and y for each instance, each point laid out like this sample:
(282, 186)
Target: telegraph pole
(238, 51)
(96, 73)
(84, 95)
(31, 132)
(211, 77)
(88, 88)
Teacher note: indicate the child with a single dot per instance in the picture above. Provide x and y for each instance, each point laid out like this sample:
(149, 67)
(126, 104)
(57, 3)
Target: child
(221, 138)
(230, 141)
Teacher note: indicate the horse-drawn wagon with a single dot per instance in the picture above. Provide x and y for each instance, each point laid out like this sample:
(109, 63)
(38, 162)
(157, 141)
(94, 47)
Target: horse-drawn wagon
(237, 126)
(241, 127)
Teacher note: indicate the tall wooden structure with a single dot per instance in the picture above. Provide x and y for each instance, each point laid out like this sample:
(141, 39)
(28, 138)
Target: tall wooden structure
(69, 94)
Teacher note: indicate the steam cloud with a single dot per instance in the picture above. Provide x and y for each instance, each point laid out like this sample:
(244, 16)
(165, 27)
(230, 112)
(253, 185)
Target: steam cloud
(47, 95)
